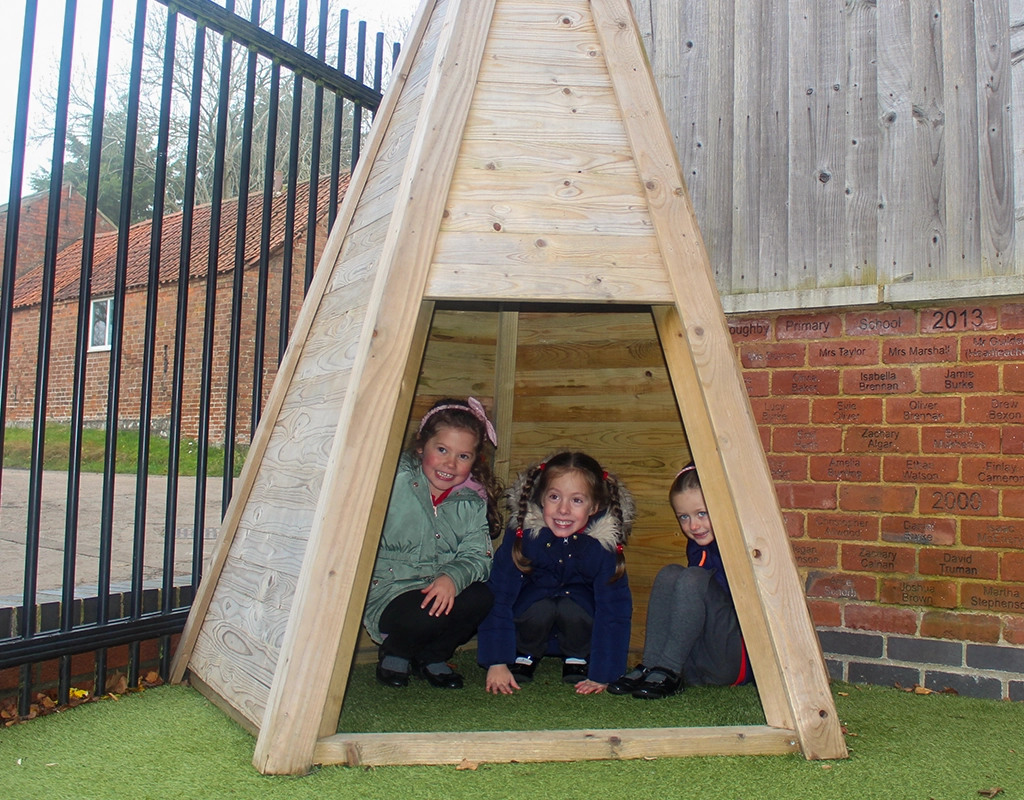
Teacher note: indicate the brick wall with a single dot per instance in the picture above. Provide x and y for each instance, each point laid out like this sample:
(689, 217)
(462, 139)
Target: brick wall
(24, 353)
(895, 441)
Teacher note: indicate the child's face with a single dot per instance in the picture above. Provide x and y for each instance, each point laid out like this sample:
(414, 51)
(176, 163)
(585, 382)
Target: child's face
(567, 504)
(448, 457)
(693, 516)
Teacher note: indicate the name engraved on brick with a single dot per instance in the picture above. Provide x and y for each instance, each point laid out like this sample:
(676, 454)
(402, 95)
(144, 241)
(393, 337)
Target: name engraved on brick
(880, 439)
(993, 533)
(994, 348)
(959, 379)
(996, 473)
(999, 409)
(844, 469)
(924, 411)
(873, 559)
(841, 527)
(958, 565)
(750, 329)
(994, 598)
(920, 469)
(956, 440)
(805, 383)
(809, 555)
(846, 411)
(920, 352)
(878, 381)
(918, 594)
(914, 530)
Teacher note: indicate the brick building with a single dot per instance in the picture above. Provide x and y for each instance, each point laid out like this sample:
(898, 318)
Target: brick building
(32, 226)
(25, 323)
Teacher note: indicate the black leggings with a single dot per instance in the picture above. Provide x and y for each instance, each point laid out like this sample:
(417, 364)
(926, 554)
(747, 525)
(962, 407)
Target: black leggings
(412, 633)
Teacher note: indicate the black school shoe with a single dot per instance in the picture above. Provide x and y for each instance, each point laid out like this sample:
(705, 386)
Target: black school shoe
(658, 684)
(574, 672)
(522, 668)
(390, 677)
(629, 682)
(440, 675)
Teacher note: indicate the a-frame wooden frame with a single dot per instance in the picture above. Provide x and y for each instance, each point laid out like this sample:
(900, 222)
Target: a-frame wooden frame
(521, 154)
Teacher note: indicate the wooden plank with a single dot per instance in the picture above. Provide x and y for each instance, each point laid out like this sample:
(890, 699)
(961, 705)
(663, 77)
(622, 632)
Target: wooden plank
(336, 565)
(928, 153)
(505, 389)
(704, 346)
(503, 747)
(862, 127)
(995, 139)
(607, 157)
(1016, 13)
(895, 165)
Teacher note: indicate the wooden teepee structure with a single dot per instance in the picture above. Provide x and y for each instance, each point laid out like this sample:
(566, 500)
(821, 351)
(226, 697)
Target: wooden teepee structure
(520, 154)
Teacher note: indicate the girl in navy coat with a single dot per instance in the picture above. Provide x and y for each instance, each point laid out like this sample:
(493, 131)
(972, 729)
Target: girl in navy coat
(692, 629)
(559, 579)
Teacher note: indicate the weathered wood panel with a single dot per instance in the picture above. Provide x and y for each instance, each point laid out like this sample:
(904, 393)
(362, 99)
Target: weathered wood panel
(858, 144)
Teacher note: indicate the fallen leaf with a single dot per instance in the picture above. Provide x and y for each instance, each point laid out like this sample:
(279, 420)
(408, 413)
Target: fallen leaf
(843, 694)
(922, 690)
(990, 792)
(467, 764)
(826, 766)
(78, 694)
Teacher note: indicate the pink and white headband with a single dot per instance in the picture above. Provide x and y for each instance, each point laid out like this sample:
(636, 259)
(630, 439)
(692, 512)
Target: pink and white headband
(475, 407)
(687, 468)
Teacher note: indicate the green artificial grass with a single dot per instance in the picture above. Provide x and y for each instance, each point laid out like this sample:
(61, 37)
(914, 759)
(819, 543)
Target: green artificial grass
(172, 743)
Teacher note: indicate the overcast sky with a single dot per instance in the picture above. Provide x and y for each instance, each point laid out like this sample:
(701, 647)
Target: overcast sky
(384, 15)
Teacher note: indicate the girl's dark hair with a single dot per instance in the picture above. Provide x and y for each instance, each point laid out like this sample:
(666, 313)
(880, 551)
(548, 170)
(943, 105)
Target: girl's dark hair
(603, 488)
(686, 479)
(460, 416)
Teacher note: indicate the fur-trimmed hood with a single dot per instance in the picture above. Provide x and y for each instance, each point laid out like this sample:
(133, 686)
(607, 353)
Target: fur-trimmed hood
(602, 526)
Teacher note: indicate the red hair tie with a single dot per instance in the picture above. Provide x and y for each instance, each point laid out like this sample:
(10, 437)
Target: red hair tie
(519, 533)
(604, 475)
(541, 466)
(618, 548)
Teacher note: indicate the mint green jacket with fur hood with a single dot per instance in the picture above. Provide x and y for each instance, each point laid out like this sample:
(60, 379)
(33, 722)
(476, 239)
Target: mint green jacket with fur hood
(420, 543)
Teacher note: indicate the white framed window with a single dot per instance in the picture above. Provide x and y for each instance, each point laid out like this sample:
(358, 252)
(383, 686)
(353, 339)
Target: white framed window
(100, 327)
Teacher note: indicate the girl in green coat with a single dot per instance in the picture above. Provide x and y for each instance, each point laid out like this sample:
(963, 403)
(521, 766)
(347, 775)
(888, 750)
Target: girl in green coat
(428, 593)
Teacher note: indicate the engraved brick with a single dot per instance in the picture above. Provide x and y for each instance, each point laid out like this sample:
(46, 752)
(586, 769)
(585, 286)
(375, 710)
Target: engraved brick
(940, 594)
(1011, 316)
(789, 355)
(965, 627)
(876, 557)
(1012, 440)
(921, 469)
(964, 685)
(956, 319)
(851, 644)
(781, 411)
(805, 381)
(1013, 630)
(951, 563)
(994, 471)
(875, 618)
(960, 378)
(756, 384)
(881, 323)
(807, 440)
(962, 502)
(808, 326)
(806, 495)
(839, 586)
(919, 350)
(1013, 377)
(994, 347)
(882, 674)
(888, 499)
(1003, 659)
(992, 533)
(922, 410)
(846, 353)
(842, 411)
(825, 613)
(945, 439)
(925, 651)
(846, 468)
(849, 527)
(815, 555)
(881, 440)
(750, 329)
(788, 468)
(993, 598)
(1011, 568)
(918, 530)
(880, 380)
(994, 409)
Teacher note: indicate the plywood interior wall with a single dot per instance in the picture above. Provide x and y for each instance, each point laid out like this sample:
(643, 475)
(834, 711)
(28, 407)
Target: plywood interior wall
(592, 380)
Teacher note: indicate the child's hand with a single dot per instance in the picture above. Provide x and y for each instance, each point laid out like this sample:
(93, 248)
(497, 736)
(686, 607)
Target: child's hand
(500, 680)
(590, 687)
(440, 596)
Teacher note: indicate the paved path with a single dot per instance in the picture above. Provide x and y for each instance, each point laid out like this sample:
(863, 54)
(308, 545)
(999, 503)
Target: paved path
(53, 513)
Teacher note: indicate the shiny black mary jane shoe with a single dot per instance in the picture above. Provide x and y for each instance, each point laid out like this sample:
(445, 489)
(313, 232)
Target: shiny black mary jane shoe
(522, 668)
(390, 677)
(446, 679)
(574, 671)
(658, 684)
(630, 682)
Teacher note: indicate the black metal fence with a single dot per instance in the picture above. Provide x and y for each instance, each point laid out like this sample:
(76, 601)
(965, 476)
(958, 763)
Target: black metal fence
(228, 123)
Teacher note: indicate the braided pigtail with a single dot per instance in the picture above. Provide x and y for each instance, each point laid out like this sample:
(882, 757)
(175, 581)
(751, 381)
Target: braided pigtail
(522, 562)
(615, 509)
(481, 472)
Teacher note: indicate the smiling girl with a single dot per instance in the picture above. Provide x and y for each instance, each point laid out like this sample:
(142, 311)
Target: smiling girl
(559, 579)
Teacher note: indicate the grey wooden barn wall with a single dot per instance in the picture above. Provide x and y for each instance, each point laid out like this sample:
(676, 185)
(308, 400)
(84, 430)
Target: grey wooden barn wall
(842, 152)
